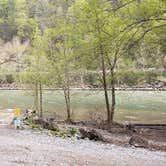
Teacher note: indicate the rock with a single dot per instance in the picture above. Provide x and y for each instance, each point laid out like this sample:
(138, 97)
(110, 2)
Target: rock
(46, 124)
(27, 113)
(138, 141)
(92, 134)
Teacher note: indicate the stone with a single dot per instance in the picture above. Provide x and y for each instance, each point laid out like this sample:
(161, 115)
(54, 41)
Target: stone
(46, 124)
(138, 141)
(92, 134)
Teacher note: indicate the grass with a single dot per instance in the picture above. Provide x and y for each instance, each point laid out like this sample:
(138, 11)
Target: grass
(137, 106)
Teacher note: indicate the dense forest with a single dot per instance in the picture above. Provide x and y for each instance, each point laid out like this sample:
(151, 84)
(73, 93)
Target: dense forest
(82, 43)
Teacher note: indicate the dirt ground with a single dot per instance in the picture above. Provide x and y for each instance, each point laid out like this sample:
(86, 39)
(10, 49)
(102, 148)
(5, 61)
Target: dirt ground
(33, 148)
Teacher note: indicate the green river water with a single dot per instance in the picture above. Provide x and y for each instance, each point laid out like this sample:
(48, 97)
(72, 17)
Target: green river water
(132, 106)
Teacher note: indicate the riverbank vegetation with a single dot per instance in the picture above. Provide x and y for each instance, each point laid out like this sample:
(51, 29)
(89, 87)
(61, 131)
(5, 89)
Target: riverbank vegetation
(93, 43)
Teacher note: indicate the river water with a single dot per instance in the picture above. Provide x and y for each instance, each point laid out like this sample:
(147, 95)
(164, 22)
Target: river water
(131, 106)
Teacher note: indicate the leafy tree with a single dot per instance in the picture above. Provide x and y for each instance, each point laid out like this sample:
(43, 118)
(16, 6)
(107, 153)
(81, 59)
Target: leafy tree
(60, 56)
(36, 72)
(94, 21)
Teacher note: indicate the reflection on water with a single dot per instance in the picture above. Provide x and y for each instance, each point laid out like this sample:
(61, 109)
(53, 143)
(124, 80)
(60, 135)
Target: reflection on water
(132, 106)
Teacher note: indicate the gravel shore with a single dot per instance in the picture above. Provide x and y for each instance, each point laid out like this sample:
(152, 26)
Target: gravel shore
(29, 148)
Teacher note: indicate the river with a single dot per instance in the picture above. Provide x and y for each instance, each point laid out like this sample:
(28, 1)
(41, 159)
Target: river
(132, 106)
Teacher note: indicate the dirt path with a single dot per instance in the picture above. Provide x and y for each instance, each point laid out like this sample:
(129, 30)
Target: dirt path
(30, 148)
(6, 117)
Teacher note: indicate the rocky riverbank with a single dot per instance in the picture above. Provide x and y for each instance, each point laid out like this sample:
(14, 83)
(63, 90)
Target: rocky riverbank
(35, 148)
(147, 87)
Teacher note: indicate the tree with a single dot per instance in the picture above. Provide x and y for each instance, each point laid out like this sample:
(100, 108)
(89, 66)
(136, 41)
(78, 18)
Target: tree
(12, 51)
(36, 72)
(60, 56)
(94, 19)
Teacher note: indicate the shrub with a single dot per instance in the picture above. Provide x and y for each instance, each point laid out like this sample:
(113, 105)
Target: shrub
(150, 77)
(9, 78)
(132, 78)
(72, 131)
(92, 79)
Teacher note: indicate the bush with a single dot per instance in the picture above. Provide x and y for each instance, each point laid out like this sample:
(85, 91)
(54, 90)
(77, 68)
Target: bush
(125, 77)
(150, 77)
(72, 131)
(92, 79)
(9, 78)
(133, 78)
(2, 78)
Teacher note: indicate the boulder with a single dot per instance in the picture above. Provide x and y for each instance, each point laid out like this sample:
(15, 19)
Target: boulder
(138, 141)
(46, 123)
(92, 134)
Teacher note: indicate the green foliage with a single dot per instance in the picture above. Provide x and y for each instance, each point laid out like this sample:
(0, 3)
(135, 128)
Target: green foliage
(136, 78)
(64, 132)
(53, 133)
(72, 131)
(93, 79)
(2, 78)
(9, 78)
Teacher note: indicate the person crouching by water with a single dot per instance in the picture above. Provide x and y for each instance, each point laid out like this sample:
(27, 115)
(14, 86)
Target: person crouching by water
(17, 120)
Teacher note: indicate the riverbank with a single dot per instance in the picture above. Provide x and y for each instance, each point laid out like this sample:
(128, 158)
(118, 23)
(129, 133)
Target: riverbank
(118, 88)
(35, 148)
(38, 147)
(150, 136)
(94, 89)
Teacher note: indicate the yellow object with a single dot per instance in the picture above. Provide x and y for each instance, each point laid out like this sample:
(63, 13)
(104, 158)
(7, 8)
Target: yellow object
(17, 112)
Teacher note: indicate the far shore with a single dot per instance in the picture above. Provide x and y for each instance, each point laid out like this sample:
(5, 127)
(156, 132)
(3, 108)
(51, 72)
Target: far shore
(95, 89)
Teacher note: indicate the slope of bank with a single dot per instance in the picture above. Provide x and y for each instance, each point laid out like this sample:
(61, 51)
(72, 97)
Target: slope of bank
(29, 148)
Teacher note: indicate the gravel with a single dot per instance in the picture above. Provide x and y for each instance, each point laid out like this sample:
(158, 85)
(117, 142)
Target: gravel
(30, 148)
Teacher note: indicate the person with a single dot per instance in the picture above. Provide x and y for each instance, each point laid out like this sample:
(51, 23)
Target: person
(17, 121)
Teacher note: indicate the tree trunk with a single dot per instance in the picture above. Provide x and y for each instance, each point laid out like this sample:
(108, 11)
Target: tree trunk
(67, 101)
(113, 95)
(67, 87)
(41, 100)
(105, 87)
(82, 81)
(102, 53)
(163, 63)
(36, 99)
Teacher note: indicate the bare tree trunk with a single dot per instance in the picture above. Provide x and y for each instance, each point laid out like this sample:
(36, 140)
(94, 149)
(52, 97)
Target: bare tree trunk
(113, 95)
(67, 101)
(36, 99)
(41, 100)
(68, 105)
(102, 53)
(67, 89)
(163, 63)
(82, 81)
(105, 87)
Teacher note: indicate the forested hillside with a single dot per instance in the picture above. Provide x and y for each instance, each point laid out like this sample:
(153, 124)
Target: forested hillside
(134, 30)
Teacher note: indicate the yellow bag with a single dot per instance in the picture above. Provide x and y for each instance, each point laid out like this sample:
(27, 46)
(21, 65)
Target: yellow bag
(17, 112)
